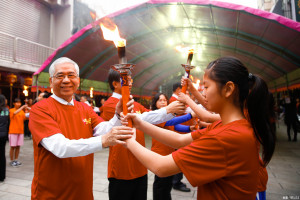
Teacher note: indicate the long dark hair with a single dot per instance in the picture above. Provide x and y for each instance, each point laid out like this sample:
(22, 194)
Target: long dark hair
(155, 99)
(253, 96)
(2, 102)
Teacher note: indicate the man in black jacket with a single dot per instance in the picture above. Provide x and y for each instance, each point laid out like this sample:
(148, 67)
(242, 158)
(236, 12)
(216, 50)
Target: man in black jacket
(4, 124)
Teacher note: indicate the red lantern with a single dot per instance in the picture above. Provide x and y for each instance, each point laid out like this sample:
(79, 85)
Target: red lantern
(11, 79)
(28, 81)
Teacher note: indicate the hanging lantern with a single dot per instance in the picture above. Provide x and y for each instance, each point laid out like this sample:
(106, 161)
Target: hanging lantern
(11, 78)
(91, 92)
(28, 81)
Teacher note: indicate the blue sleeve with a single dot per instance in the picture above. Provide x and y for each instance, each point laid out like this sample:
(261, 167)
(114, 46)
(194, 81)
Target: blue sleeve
(182, 128)
(179, 120)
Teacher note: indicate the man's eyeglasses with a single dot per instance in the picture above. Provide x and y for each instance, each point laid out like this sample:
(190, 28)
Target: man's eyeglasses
(62, 76)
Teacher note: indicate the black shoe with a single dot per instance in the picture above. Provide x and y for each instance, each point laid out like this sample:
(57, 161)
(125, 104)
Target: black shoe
(181, 188)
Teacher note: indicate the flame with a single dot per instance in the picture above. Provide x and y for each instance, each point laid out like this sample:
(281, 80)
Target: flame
(112, 34)
(25, 91)
(197, 84)
(91, 92)
(93, 15)
(186, 50)
(192, 78)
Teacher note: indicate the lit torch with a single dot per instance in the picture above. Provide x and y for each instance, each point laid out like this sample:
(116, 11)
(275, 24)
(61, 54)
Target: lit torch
(123, 67)
(187, 66)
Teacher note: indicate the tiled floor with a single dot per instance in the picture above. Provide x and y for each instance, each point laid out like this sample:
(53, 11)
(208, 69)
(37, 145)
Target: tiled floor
(284, 173)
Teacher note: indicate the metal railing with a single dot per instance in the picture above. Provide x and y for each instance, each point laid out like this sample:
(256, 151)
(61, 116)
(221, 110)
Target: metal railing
(20, 50)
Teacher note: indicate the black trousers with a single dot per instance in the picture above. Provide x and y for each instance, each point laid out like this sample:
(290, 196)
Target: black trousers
(162, 188)
(2, 158)
(26, 129)
(135, 189)
(289, 125)
(177, 179)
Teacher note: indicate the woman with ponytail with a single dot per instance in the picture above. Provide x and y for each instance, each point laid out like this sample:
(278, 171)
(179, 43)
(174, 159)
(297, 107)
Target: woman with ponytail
(223, 159)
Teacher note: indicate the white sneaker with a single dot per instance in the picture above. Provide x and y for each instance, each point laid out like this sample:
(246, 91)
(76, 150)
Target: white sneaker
(18, 163)
(13, 163)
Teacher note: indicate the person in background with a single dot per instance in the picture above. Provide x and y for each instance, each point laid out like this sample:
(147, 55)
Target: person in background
(223, 159)
(102, 101)
(162, 186)
(84, 99)
(126, 175)
(7, 106)
(177, 178)
(65, 135)
(76, 97)
(95, 108)
(4, 125)
(43, 95)
(176, 90)
(28, 102)
(290, 116)
(16, 131)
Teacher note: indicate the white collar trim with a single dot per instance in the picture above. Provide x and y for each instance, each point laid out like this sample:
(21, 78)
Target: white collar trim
(62, 101)
(116, 95)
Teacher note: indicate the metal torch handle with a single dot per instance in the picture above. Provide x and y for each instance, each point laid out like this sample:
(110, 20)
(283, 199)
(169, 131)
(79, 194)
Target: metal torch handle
(125, 98)
(187, 75)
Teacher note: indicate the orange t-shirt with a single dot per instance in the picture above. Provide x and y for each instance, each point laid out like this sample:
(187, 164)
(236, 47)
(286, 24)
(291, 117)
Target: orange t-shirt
(159, 147)
(223, 161)
(16, 125)
(61, 178)
(263, 177)
(172, 99)
(122, 164)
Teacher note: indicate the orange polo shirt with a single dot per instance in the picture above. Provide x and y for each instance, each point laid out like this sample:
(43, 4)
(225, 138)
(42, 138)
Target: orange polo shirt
(16, 125)
(223, 161)
(61, 178)
(172, 99)
(122, 164)
(159, 147)
(263, 177)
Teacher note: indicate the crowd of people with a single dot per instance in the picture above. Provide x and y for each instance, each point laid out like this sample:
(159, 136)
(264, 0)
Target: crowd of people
(212, 137)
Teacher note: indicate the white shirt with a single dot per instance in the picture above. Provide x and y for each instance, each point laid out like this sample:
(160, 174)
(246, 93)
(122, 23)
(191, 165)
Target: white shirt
(88, 103)
(153, 117)
(96, 109)
(63, 147)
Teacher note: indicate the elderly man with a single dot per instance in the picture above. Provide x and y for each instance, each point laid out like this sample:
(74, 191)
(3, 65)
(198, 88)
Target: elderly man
(65, 135)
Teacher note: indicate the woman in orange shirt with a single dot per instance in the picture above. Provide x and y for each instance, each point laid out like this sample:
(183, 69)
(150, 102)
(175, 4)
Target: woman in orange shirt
(223, 159)
(162, 186)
